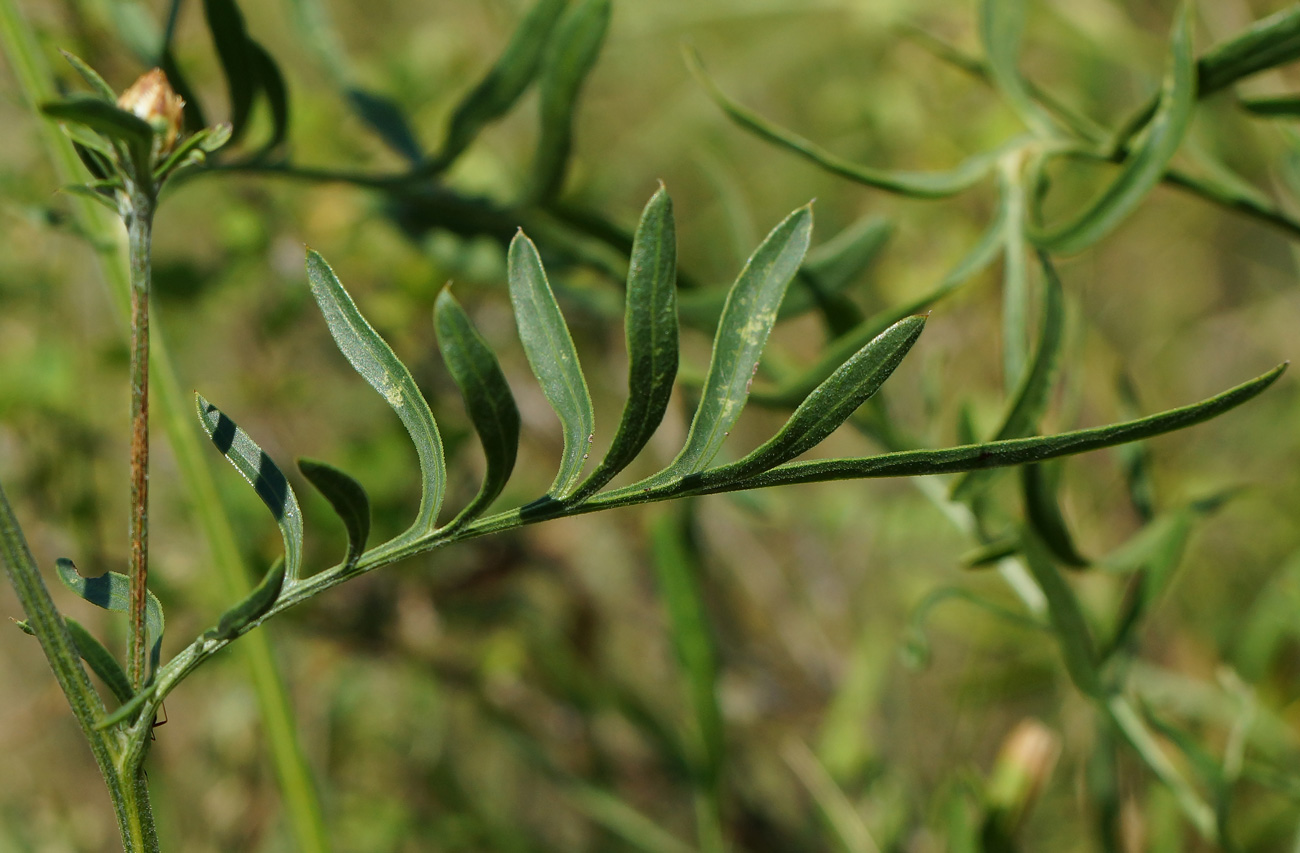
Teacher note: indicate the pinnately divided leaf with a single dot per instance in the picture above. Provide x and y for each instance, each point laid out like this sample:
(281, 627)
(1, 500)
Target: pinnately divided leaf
(112, 591)
(554, 359)
(379, 366)
(830, 404)
(1019, 451)
(262, 474)
(651, 330)
(742, 334)
(348, 499)
(1147, 161)
(487, 395)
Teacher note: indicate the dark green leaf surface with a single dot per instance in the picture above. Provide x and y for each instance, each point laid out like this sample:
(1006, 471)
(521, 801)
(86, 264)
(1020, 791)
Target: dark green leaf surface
(554, 359)
(830, 404)
(1035, 389)
(100, 660)
(271, 83)
(112, 591)
(1019, 451)
(1001, 25)
(914, 184)
(230, 37)
(678, 571)
(651, 331)
(513, 71)
(1268, 43)
(568, 60)
(107, 119)
(382, 115)
(1284, 106)
(236, 619)
(1043, 512)
(747, 320)
(91, 76)
(194, 118)
(1067, 617)
(262, 474)
(379, 366)
(488, 398)
(1146, 162)
(348, 499)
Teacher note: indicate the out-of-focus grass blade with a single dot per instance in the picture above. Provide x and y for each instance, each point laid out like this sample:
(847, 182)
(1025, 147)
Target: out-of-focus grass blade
(1067, 617)
(272, 85)
(382, 115)
(650, 327)
(914, 184)
(262, 474)
(487, 396)
(1269, 623)
(370, 356)
(1021, 451)
(501, 87)
(569, 58)
(112, 591)
(1001, 25)
(1043, 513)
(554, 359)
(1035, 389)
(230, 37)
(830, 404)
(840, 817)
(1283, 106)
(678, 570)
(1151, 557)
(1267, 43)
(1015, 278)
(746, 322)
(91, 76)
(1146, 162)
(348, 499)
(260, 600)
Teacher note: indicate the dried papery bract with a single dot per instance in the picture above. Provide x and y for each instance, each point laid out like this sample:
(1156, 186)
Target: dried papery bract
(153, 99)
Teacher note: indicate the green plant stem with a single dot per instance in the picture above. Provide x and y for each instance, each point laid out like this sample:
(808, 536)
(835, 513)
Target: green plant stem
(139, 235)
(125, 781)
(297, 789)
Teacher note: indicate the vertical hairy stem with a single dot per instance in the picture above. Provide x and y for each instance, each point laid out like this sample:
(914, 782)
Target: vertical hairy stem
(139, 229)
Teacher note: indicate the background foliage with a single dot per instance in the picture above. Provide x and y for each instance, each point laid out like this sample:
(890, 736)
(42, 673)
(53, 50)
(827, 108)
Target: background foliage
(522, 691)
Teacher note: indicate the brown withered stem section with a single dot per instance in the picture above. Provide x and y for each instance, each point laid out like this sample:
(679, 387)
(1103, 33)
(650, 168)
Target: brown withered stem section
(139, 227)
(152, 99)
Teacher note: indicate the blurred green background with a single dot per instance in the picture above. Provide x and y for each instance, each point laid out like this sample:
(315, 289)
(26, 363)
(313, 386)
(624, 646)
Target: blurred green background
(513, 692)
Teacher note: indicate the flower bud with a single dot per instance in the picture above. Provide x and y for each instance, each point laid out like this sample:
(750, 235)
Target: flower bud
(153, 99)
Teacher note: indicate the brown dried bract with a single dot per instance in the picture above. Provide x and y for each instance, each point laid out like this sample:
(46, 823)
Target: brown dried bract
(153, 99)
